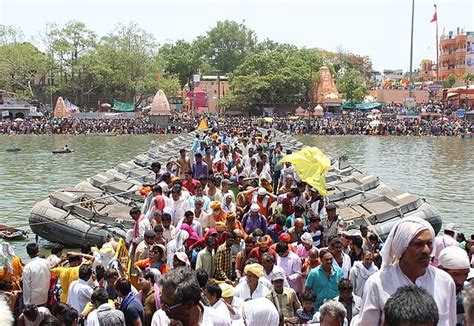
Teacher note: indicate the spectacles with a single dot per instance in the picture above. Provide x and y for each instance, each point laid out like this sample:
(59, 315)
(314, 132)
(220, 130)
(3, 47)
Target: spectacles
(167, 308)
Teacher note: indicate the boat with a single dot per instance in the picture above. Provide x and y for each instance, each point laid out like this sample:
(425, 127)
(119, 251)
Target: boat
(14, 149)
(11, 233)
(99, 206)
(62, 151)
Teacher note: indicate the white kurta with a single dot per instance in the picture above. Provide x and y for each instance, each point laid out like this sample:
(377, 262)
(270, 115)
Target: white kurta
(222, 310)
(242, 290)
(36, 277)
(291, 264)
(380, 286)
(346, 264)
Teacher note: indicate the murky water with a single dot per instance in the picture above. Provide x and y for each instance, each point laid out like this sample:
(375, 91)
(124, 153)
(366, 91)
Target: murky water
(442, 169)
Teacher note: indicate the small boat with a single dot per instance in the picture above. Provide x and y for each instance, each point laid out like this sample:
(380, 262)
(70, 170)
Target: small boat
(10, 233)
(13, 149)
(62, 151)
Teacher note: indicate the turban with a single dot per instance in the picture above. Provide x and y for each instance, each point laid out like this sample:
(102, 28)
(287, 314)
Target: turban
(400, 237)
(454, 257)
(262, 191)
(255, 269)
(227, 290)
(174, 179)
(215, 205)
(254, 208)
(266, 243)
(231, 215)
(220, 226)
(307, 238)
(260, 311)
(284, 237)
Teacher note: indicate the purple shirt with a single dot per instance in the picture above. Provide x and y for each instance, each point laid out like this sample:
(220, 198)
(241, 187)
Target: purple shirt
(250, 223)
(200, 170)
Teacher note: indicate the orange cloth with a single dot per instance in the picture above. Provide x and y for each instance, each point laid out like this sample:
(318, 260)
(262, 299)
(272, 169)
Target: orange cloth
(237, 226)
(144, 263)
(15, 275)
(307, 266)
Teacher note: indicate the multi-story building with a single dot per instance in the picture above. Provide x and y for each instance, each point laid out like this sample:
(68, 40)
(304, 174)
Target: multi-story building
(456, 55)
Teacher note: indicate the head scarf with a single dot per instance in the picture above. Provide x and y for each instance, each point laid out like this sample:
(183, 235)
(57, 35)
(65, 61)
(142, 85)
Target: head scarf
(181, 256)
(400, 237)
(260, 311)
(215, 205)
(454, 257)
(220, 226)
(192, 235)
(181, 237)
(267, 243)
(255, 269)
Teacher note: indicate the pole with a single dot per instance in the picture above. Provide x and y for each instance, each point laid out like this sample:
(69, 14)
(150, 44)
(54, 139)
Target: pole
(410, 86)
(437, 45)
(51, 89)
(218, 91)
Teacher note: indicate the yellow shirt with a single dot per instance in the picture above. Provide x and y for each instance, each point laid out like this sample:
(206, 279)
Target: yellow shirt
(66, 275)
(15, 275)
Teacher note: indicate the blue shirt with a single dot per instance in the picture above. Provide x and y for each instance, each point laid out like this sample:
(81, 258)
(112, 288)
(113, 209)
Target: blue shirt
(324, 287)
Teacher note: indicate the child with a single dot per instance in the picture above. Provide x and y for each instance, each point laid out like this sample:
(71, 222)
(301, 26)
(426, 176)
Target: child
(306, 313)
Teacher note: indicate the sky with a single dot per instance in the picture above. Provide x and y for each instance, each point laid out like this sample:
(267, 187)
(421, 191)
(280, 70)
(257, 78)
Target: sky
(379, 29)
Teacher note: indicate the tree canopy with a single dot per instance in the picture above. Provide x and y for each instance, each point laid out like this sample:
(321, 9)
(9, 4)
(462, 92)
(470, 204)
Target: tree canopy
(128, 64)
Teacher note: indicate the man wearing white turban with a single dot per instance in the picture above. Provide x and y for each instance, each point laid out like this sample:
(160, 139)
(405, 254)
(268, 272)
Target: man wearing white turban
(454, 261)
(406, 261)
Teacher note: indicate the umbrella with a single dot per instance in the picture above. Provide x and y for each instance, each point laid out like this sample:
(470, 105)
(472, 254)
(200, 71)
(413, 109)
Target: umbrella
(105, 106)
(18, 119)
(293, 117)
(374, 123)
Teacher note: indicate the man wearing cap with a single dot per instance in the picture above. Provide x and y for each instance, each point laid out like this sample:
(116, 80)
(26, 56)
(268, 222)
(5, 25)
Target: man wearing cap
(291, 264)
(454, 261)
(442, 241)
(254, 220)
(143, 247)
(284, 298)
(234, 304)
(406, 261)
(252, 288)
(332, 224)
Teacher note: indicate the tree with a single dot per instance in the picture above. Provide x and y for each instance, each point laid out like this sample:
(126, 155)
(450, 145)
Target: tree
(180, 59)
(10, 34)
(20, 64)
(352, 85)
(227, 45)
(448, 83)
(272, 77)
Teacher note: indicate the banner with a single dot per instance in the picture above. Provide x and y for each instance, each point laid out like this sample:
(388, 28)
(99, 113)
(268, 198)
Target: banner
(121, 106)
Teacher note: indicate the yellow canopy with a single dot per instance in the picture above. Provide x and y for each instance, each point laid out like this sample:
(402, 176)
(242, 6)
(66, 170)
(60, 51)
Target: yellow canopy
(311, 166)
(293, 117)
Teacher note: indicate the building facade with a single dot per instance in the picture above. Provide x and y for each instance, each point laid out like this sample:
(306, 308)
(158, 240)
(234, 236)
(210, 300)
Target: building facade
(456, 54)
(207, 93)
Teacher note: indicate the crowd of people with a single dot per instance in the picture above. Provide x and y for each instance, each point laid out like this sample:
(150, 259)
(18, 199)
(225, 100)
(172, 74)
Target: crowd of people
(228, 234)
(398, 123)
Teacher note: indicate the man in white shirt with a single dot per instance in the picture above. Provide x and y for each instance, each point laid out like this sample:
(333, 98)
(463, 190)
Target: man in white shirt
(252, 288)
(80, 291)
(406, 261)
(269, 267)
(103, 310)
(36, 277)
(443, 241)
(213, 293)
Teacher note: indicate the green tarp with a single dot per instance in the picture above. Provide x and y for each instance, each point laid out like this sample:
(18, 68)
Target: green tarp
(123, 107)
(361, 106)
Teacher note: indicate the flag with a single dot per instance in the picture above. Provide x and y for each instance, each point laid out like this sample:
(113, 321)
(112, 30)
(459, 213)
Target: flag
(202, 125)
(311, 165)
(435, 16)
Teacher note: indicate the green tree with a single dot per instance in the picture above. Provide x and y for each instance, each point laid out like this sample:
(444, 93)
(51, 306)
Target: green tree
(273, 77)
(448, 83)
(226, 45)
(352, 85)
(20, 65)
(180, 59)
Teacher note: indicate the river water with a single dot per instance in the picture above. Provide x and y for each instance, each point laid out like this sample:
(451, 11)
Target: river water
(439, 168)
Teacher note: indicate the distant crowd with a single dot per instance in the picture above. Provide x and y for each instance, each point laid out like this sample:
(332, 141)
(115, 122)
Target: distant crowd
(390, 120)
